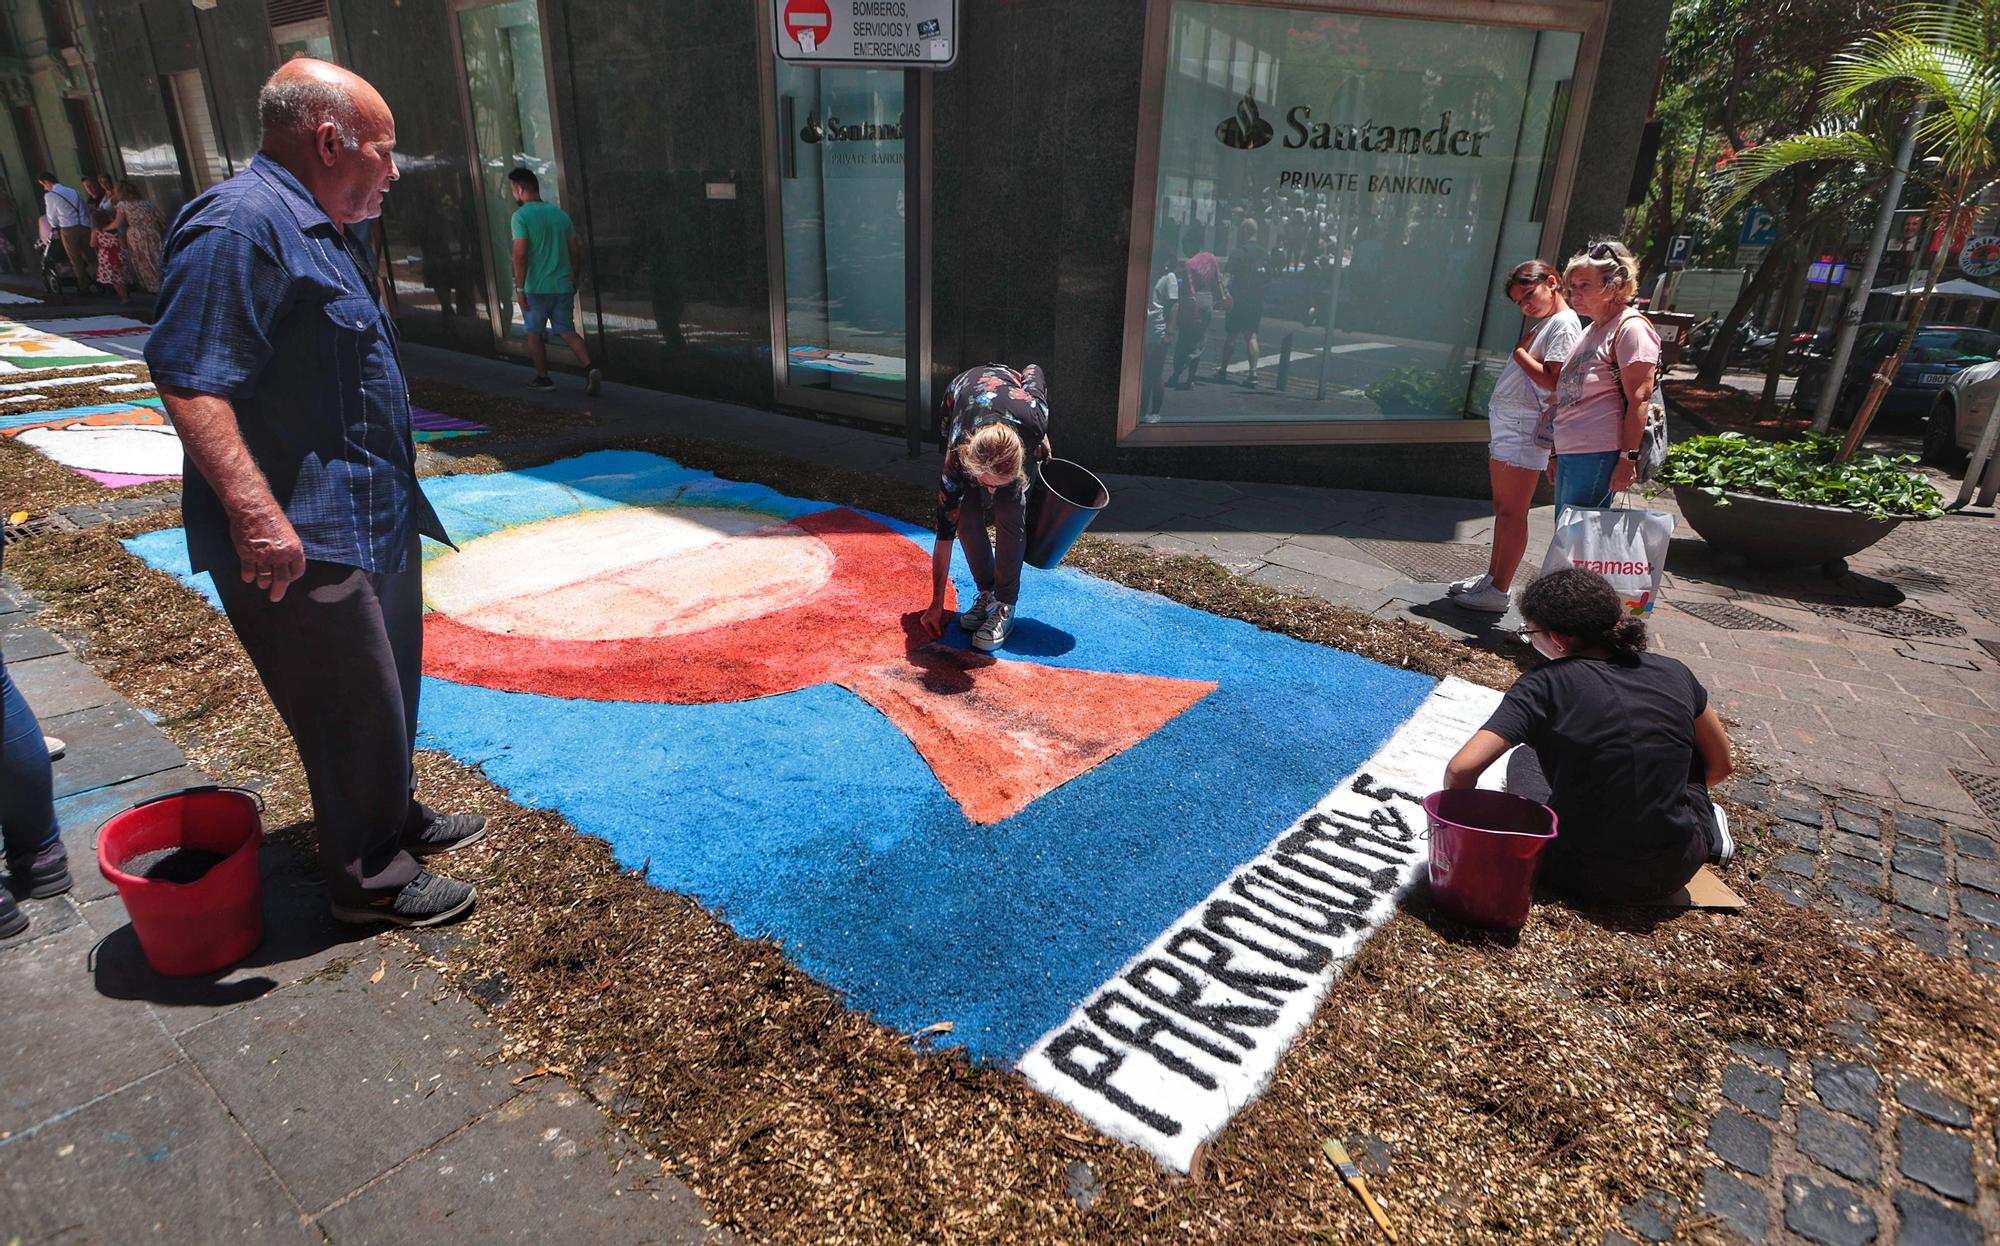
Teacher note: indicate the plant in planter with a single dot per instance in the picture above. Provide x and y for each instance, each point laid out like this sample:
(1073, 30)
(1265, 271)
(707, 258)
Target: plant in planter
(1793, 503)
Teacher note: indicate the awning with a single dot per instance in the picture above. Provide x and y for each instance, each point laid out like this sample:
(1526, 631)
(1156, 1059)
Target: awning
(1956, 288)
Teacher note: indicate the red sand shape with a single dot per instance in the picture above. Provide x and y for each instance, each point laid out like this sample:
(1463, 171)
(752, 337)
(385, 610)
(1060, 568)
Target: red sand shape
(1000, 734)
(997, 734)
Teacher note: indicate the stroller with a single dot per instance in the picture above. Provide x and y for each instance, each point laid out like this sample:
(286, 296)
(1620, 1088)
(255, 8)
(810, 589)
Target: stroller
(56, 268)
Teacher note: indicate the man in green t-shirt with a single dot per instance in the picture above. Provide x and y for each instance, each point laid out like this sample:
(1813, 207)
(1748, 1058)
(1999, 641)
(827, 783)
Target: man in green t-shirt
(547, 253)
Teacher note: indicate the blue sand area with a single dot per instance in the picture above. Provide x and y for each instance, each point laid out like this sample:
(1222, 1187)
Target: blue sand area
(810, 818)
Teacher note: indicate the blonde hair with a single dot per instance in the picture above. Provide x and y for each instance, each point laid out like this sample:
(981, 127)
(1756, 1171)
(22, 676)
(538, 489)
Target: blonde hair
(993, 451)
(1611, 260)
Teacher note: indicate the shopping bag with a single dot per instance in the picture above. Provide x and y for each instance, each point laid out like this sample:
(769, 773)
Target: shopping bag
(1626, 547)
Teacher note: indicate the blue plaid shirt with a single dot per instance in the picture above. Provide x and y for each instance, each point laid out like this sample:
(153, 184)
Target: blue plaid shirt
(265, 302)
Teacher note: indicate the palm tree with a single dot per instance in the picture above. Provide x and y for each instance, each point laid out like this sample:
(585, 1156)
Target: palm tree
(1943, 61)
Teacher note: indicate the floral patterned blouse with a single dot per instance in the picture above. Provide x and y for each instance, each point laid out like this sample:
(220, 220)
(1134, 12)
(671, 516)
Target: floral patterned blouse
(977, 397)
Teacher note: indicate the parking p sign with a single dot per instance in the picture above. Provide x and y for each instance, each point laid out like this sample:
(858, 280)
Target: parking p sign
(1678, 249)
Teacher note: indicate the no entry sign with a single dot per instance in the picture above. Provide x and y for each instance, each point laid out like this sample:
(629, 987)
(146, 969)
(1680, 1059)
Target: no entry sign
(886, 34)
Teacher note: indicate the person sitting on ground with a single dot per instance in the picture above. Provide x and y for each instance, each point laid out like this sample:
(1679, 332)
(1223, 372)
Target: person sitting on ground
(110, 253)
(1626, 739)
(547, 256)
(995, 439)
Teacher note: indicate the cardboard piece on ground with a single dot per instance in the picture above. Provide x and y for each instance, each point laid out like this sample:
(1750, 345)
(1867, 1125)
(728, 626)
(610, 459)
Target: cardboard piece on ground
(1705, 890)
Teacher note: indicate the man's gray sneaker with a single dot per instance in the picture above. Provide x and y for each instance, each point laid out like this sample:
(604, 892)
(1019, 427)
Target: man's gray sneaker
(448, 832)
(426, 900)
(542, 382)
(593, 380)
(993, 632)
(971, 618)
(12, 920)
(39, 875)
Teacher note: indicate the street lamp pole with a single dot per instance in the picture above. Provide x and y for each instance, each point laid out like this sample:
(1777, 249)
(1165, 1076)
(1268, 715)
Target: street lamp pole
(1850, 319)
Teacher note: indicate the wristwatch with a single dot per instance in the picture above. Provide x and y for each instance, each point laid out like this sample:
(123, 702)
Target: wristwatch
(1630, 456)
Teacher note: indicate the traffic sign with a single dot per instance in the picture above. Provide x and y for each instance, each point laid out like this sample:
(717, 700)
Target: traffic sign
(1679, 247)
(1759, 229)
(880, 34)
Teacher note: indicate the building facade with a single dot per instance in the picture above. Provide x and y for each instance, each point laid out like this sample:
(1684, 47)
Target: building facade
(1366, 172)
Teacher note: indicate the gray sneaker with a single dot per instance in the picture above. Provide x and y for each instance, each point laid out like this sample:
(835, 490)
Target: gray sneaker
(426, 900)
(593, 380)
(993, 633)
(982, 605)
(447, 832)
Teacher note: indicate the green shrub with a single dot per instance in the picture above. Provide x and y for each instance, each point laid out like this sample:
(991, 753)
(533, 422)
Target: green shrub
(1802, 471)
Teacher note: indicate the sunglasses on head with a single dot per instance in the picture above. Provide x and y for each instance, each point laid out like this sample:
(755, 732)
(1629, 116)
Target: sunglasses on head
(1602, 251)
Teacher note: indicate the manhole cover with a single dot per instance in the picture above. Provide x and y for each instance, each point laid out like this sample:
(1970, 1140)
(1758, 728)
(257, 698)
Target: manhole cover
(40, 525)
(1428, 562)
(1723, 614)
(1902, 621)
(1983, 788)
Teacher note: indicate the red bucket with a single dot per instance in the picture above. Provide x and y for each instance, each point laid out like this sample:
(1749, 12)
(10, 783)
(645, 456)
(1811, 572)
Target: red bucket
(210, 923)
(1485, 847)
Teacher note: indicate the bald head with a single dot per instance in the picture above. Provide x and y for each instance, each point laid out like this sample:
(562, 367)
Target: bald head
(306, 94)
(334, 132)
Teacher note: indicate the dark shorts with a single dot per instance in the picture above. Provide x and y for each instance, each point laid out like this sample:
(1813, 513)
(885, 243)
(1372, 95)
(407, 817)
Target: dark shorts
(1244, 315)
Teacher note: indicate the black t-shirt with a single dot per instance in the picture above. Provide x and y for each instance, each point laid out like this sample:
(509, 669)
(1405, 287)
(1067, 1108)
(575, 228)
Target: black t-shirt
(1616, 741)
(1249, 272)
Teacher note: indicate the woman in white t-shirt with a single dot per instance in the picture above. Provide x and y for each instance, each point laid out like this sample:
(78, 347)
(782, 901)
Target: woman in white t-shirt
(1519, 412)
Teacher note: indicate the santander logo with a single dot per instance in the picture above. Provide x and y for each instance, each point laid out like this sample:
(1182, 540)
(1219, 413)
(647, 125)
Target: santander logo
(1246, 131)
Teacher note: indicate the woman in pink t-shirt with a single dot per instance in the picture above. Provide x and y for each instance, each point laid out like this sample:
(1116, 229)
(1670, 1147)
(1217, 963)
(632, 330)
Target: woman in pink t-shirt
(1606, 384)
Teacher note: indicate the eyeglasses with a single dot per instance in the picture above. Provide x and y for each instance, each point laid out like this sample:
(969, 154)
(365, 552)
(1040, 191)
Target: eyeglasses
(1528, 634)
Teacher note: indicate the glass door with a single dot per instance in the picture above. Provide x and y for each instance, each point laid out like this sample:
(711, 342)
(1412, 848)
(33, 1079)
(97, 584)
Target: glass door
(508, 118)
(840, 156)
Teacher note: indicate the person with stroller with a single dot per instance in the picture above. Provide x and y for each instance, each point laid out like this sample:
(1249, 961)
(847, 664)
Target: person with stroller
(69, 223)
(995, 436)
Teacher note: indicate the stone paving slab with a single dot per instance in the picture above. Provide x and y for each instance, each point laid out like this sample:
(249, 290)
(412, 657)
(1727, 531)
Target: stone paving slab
(547, 1148)
(59, 684)
(301, 940)
(108, 745)
(159, 1161)
(66, 1046)
(339, 1079)
(22, 641)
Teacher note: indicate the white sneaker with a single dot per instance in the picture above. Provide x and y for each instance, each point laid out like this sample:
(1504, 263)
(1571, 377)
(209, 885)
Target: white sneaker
(1721, 845)
(973, 616)
(1478, 583)
(1490, 599)
(56, 747)
(993, 633)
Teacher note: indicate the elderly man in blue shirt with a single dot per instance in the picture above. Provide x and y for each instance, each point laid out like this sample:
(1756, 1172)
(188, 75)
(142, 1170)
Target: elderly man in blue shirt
(279, 369)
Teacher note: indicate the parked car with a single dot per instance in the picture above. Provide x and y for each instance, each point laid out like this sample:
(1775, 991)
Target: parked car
(1940, 351)
(1960, 412)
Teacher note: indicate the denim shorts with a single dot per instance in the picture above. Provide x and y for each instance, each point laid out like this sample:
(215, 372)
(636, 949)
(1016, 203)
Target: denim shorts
(545, 310)
(1513, 439)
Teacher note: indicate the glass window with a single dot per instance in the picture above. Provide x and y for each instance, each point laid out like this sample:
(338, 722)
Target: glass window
(1336, 221)
(202, 152)
(312, 38)
(508, 88)
(840, 153)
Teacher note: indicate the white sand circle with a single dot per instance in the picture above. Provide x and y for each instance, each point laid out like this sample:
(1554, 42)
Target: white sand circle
(129, 449)
(628, 573)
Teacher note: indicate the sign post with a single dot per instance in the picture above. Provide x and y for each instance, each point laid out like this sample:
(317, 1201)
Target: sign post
(914, 36)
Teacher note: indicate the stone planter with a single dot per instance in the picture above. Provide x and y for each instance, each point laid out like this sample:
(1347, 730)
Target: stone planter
(1772, 533)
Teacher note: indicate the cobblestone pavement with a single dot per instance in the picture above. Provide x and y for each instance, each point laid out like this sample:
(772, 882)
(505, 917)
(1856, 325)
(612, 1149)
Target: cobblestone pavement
(1869, 702)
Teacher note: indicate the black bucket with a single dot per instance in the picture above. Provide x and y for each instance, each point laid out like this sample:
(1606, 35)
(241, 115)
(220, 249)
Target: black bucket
(1060, 506)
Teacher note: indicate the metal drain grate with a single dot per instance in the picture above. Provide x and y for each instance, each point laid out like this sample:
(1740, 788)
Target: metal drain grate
(1984, 790)
(40, 525)
(1903, 622)
(1723, 614)
(1917, 578)
(1427, 562)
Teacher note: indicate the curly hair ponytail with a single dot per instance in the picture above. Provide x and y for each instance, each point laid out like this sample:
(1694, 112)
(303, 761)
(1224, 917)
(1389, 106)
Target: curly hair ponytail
(1582, 605)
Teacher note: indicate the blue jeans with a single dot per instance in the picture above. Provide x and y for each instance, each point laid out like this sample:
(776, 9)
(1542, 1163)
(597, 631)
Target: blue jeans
(27, 810)
(1584, 479)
